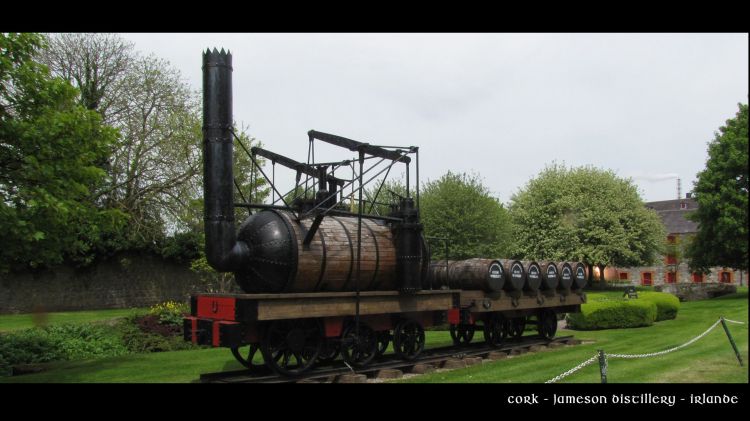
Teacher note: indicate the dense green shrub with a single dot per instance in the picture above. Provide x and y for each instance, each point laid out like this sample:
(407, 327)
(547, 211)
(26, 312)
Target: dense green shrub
(610, 314)
(667, 305)
(63, 342)
(59, 342)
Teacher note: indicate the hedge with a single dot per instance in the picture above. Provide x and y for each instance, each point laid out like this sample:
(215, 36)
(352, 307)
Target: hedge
(667, 305)
(610, 314)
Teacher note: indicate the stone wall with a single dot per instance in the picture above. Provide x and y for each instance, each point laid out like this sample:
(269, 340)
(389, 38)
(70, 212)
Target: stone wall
(120, 282)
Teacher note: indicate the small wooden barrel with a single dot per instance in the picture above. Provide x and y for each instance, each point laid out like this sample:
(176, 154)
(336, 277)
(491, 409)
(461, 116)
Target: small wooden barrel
(471, 274)
(515, 275)
(550, 276)
(565, 271)
(580, 275)
(533, 276)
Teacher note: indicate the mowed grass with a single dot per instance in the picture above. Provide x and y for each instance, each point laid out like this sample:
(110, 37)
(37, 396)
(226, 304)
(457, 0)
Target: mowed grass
(711, 359)
(9, 322)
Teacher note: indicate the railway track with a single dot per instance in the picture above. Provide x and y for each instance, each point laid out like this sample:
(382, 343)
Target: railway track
(390, 366)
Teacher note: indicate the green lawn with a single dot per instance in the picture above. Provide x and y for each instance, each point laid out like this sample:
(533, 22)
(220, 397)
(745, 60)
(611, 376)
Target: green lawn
(711, 359)
(10, 322)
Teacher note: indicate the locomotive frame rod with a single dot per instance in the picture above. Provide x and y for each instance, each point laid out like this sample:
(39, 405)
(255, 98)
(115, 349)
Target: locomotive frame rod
(292, 164)
(356, 146)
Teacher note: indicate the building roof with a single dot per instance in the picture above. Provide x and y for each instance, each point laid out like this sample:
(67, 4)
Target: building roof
(673, 214)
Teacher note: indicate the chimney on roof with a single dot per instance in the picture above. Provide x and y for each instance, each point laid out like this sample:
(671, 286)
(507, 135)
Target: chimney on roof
(688, 195)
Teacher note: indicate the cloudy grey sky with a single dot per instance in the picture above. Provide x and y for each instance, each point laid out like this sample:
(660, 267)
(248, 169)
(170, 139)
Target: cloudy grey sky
(500, 105)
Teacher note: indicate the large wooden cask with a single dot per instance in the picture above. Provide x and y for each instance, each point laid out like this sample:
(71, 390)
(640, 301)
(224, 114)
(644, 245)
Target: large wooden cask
(279, 262)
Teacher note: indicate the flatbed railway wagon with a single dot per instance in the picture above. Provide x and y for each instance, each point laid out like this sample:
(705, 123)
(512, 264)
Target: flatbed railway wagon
(325, 274)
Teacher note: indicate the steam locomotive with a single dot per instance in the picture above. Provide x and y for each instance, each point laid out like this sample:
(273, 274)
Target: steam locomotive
(324, 276)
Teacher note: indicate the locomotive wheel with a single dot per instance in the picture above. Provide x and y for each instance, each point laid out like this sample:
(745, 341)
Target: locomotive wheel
(291, 347)
(384, 339)
(359, 350)
(462, 334)
(329, 351)
(408, 339)
(547, 324)
(496, 330)
(517, 326)
(248, 361)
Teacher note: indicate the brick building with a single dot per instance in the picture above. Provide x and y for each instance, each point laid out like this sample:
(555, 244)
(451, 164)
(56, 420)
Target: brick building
(673, 267)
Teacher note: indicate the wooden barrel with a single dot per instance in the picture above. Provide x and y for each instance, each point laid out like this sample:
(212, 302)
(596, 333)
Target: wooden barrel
(533, 276)
(550, 276)
(471, 274)
(515, 275)
(580, 275)
(565, 271)
(279, 261)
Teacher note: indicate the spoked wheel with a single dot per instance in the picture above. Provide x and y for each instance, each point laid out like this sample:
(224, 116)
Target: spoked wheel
(462, 334)
(329, 351)
(547, 324)
(517, 326)
(408, 339)
(248, 361)
(291, 347)
(359, 350)
(495, 330)
(384, 339)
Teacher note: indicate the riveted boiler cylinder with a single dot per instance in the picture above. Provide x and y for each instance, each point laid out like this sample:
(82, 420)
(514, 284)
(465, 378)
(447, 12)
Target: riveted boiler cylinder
(279, 262)
(471, 274)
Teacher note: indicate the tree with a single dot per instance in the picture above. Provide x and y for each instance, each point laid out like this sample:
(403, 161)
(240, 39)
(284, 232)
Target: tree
(721, 191)
(97, 64)
(461, 208)
(584, 214)
(49, 150)
(154, 169)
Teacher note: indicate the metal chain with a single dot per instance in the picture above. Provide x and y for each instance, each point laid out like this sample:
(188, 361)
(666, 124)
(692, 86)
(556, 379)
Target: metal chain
(574, 369)
(653, 354)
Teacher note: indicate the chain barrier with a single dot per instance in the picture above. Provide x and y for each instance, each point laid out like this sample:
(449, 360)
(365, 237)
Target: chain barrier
(652, 354)
(574, 369)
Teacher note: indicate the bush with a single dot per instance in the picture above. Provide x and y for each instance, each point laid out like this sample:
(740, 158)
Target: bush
(667, 305)
(58, 342)
(611, 314)
(170, 312)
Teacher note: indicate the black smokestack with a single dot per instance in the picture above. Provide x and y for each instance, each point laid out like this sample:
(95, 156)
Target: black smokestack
(223, 251)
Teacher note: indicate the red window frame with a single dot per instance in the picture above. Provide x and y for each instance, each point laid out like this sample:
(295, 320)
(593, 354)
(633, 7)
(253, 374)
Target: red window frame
(697, 277)
(623, 276)
(671, 277)
(647, 278)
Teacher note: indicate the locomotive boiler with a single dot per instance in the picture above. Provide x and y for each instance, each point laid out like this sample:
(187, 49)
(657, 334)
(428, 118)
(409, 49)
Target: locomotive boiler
(324, 273)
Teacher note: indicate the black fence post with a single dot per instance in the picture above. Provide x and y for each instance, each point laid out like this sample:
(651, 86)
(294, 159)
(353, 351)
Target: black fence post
(731, 340)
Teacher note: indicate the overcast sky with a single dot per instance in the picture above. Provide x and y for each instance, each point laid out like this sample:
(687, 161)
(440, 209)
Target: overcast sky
(500, 105)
